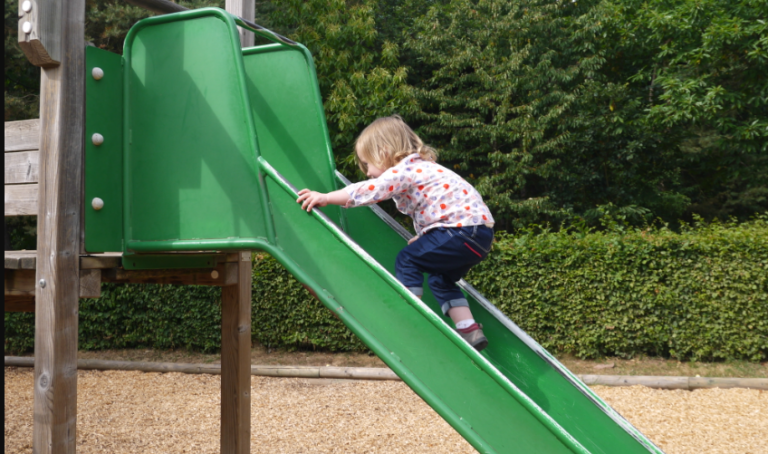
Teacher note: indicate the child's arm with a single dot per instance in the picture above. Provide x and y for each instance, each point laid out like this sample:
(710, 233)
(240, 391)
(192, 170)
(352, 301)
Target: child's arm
(309, 199)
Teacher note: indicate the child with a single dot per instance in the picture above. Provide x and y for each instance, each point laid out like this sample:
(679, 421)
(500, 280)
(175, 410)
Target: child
(454, 227)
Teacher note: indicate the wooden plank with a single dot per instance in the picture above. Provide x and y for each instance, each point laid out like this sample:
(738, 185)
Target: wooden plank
(247, 10)
(223, 274)
(19, 283)
(236, 361)
(18, 260)
(90, 283)
(21, 199)
(62, 91)
(19, 303)
(101, 261)
(22, 167)
(22, 135)
(40, 31)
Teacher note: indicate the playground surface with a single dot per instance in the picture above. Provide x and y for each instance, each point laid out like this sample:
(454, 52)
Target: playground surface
(177, 413)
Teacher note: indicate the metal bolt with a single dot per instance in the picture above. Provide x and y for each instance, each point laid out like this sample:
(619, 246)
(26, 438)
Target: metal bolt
(214, 274)
(97, 139)
(42, 283)
(27, 27)
(26, 6)
(97, 203)
(97, 73)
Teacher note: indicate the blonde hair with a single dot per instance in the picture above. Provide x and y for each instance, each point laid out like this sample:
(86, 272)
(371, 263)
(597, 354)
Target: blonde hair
(388, 140)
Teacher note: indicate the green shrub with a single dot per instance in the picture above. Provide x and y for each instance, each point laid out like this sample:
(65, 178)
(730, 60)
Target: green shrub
(698, 294)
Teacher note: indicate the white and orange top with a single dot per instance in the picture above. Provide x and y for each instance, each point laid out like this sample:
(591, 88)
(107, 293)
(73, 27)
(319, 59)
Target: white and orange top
(430, 194)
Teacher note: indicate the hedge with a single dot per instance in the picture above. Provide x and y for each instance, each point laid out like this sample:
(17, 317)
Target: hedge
(698, 294)
(701, 293)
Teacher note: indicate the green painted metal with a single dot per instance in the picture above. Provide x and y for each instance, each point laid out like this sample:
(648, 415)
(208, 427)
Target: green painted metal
(214, 142)
(478, 401)
(190, 143)
(515, 355)
(289, 117)
(103, 163)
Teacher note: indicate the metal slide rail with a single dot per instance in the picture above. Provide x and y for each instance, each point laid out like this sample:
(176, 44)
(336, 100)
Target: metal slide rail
(167, 7)
(522, 335)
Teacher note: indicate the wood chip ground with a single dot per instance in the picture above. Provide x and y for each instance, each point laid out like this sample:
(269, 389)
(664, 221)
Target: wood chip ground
(129, 412)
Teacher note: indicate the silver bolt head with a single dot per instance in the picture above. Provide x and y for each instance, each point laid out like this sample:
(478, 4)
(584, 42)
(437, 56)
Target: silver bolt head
(27, 27)
(97, 139)
(26, 6)
(97, 73)
(42, 283)
(97, 203)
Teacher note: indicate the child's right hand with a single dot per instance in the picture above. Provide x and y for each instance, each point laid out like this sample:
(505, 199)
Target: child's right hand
(309, 199)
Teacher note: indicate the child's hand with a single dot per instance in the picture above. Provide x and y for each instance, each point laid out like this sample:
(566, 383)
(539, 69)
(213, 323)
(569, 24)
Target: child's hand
(413, 239)
(309, 199)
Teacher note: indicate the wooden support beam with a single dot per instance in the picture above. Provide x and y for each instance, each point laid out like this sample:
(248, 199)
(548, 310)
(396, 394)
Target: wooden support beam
(90, 283)
(223, 274)
(19, 283)
(62, 91)
(20, 260)
(236, 361)
(40, 29)
(19, 303)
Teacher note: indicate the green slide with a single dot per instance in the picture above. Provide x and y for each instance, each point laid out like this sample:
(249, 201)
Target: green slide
(214, 143)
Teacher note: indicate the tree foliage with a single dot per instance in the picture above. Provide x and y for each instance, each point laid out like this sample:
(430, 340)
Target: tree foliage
(359, 73)
(699, 68)
(557, 111)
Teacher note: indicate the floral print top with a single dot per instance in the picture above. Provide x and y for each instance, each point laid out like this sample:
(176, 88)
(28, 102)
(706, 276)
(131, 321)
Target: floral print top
(429, 193)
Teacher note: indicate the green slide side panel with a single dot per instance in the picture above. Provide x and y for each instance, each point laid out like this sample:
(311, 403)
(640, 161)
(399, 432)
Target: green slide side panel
(104, 163)
(592, 422)
(289, 117)
(190, 144)
(460, 384)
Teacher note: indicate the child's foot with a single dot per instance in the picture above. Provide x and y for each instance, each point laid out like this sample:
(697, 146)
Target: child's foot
(474, 335)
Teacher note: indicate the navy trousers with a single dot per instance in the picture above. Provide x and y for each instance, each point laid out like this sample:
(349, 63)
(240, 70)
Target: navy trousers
(446, 254)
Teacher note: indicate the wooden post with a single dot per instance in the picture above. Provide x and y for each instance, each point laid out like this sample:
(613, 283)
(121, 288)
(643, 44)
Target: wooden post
(247, 10)
(39, 31)
(62, 91)
(236, 361)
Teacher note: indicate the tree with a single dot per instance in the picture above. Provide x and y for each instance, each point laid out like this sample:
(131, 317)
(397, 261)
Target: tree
(359, 75)
(518, 101)
(699, 68)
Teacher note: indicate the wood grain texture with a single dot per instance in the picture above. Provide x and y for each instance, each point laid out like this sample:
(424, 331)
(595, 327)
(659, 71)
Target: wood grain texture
(90, 283)
(62, 91)
(22, 135)
(42, 45)
(21, 199)
(15, 260)
(22, 167)
(224, 274)
(15, 303)
(19, 283)
(236, 361)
